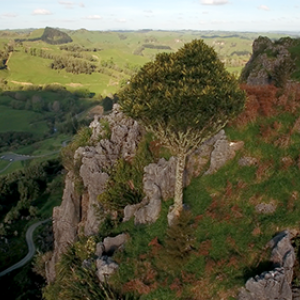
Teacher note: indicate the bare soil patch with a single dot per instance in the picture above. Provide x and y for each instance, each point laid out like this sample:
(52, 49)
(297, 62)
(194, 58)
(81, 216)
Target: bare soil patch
(21, 82)
(74, 84)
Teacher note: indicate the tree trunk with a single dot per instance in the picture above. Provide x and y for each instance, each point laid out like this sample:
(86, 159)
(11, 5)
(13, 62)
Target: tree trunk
(179, 181)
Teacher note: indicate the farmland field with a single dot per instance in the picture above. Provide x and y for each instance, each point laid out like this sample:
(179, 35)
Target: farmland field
(45, 86)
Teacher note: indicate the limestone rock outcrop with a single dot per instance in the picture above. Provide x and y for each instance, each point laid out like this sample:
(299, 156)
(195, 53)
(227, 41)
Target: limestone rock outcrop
(65, 220)
(116, 136)
(104, 264)
(275, 284)
(113, 136)
(159, 178)
(105, 267)
(270, 63)
(158, 183)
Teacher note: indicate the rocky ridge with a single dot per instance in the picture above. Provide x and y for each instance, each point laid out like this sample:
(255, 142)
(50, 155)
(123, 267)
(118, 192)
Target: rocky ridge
(275, 284)
(78, 213)
(270, 63)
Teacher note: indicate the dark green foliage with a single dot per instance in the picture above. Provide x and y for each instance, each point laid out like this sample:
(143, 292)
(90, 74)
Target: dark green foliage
(59, 110)
(295, 53)
(11, 139)
(20, 190)
(160, 47)
(78, 48)
(72, 65)
(4, 54)
(179, 243)
(183, 98)
(55, 37)
(81, 139)
(73, 281)
(183, 90)
(125, 184)
(123, 188)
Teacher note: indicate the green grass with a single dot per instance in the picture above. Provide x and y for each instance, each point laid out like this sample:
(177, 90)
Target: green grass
(230, 236)
(121, 51)
(21, 120)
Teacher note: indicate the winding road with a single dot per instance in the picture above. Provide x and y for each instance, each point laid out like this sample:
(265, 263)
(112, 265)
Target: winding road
(31, 248)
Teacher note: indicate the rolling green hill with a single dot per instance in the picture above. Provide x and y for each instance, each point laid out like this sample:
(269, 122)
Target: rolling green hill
(117, 55)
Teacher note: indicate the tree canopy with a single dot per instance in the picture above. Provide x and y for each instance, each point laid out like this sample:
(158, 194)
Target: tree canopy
(184, 98)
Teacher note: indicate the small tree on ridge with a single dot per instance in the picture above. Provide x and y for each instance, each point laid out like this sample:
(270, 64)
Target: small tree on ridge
(184, 98)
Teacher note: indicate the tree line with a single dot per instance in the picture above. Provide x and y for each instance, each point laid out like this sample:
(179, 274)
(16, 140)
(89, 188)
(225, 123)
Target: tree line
(78, 48)
(77, 63)
(19, 191)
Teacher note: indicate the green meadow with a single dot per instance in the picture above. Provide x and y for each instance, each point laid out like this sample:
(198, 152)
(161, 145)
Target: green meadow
(115, 57)
(20, 120)
(126, 50)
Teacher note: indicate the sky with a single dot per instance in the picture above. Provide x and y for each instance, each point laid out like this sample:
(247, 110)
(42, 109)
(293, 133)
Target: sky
(227, 15)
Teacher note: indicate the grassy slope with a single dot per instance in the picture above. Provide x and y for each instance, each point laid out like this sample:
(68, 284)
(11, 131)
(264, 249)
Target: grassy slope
(20, 120)
(230, 236)
(225, 235)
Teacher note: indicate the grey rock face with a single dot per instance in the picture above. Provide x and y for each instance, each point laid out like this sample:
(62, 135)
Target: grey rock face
(222, 152)
(95, 160)
(269, 62)
(247, 161)
(265, 208)
(65, 220)
(104, 263)
(105, 267)
(99, 249)
(158, 182)
(274, 284)
(111, 244)
(159, 178)
(268, 286)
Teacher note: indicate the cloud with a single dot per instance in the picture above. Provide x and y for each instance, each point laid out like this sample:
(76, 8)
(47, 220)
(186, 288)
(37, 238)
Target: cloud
(264, 7)
(214, 2)
(8, 15)
(41, 11)
(93, 17)
(121, 20)
(148, 11)
(70, 4)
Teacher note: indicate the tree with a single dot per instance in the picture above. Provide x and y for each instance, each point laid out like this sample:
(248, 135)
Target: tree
(184, 98)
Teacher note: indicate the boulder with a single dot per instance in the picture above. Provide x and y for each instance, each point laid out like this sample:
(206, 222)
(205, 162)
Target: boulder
(266, 208)
(247, 161)
(105, 268)
(222, 151)
(111, 244)
(268, 286)
(99, 249)
(158, 183)
(275, 284)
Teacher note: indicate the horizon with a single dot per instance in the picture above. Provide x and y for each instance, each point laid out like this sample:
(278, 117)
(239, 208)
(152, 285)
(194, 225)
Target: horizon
(197, 15)
(296, 32)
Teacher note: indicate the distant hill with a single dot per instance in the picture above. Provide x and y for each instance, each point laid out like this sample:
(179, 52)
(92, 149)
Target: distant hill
(55, 37)
(50, 36)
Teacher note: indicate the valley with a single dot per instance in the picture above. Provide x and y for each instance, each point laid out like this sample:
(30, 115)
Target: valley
(50, 93)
